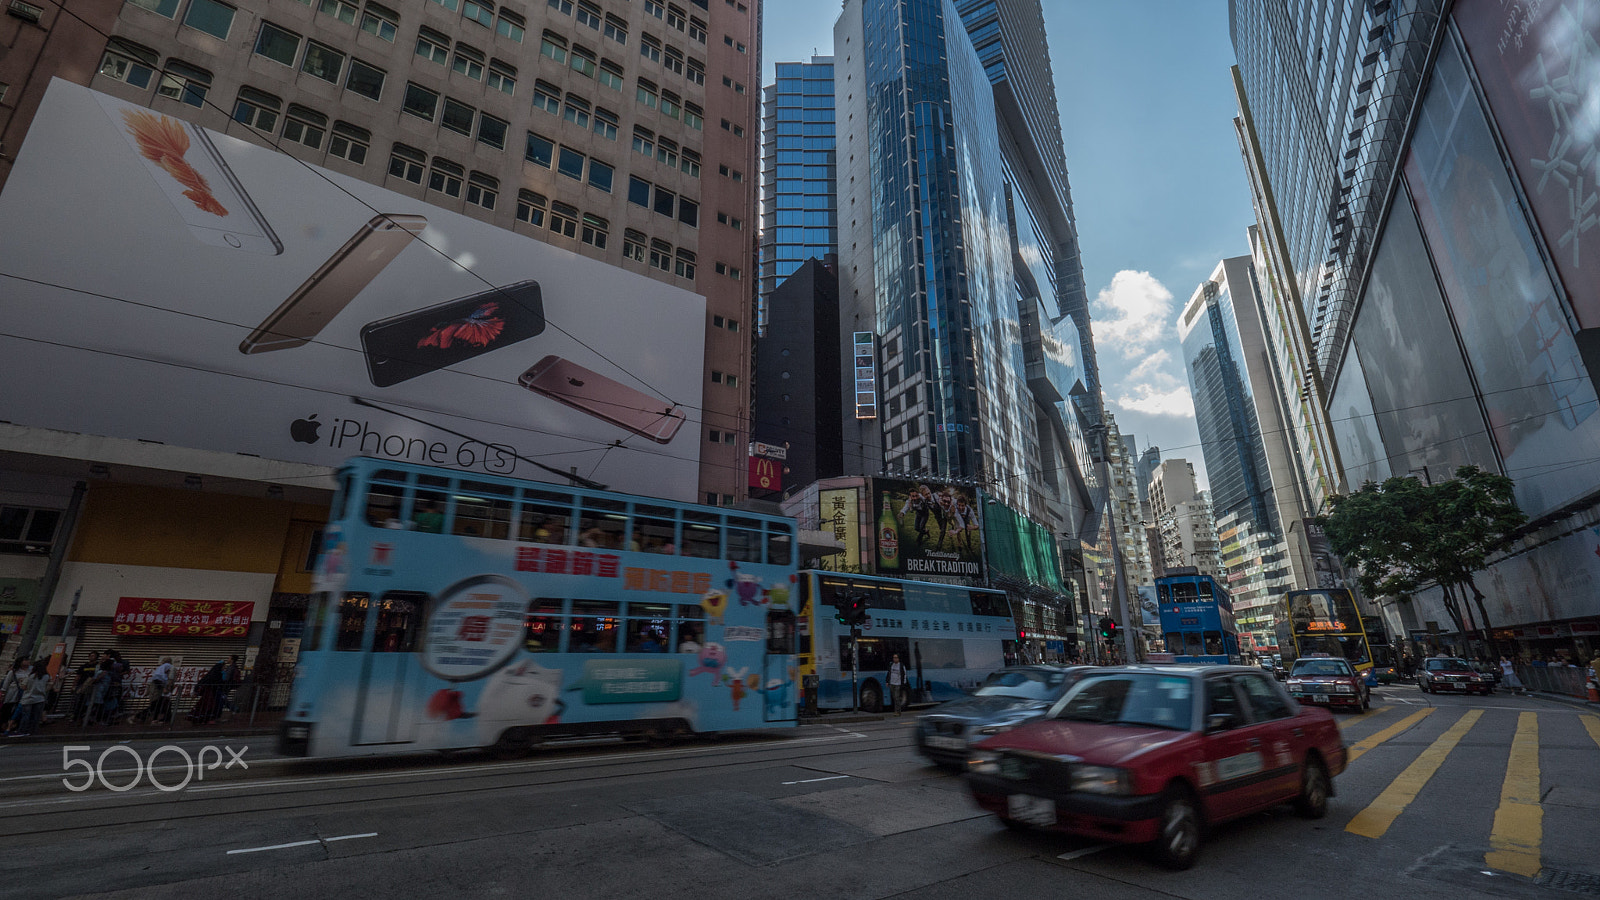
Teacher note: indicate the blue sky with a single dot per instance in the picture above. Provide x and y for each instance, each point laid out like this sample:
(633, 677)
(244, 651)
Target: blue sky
(1147, 110)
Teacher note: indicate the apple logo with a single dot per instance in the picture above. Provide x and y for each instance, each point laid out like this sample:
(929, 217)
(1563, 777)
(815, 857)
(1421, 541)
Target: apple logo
(305, 430)
(575, 382)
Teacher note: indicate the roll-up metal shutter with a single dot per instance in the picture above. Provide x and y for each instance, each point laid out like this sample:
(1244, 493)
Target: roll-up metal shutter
(191, 657)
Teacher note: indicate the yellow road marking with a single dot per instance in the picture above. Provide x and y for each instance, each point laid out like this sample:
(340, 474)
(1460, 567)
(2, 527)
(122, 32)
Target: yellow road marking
(1373, 741)
(1592, 723)
(1519, 822)
(1373, 821)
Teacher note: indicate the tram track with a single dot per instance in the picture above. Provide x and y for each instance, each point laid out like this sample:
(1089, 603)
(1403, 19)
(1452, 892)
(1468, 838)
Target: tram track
(362, 782)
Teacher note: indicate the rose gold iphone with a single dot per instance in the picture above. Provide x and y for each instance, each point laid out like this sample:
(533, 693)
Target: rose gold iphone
(569, 383)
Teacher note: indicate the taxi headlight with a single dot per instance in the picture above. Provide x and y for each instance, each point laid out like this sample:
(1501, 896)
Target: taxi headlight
(1101, 780)
(982, 762)
(997, 728)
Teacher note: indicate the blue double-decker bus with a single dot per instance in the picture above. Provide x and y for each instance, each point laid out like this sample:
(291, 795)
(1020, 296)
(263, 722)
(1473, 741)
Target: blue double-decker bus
(455, 610)
(1197, 618)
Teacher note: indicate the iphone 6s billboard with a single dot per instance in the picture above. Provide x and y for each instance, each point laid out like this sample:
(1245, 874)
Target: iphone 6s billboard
(165, 283)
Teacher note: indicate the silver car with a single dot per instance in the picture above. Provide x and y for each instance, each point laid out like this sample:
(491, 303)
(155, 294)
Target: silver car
(1006, 699)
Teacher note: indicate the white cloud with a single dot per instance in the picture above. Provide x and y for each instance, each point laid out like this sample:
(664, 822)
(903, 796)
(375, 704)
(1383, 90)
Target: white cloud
(1153, 367)
(1157, 400)
(1131, 313)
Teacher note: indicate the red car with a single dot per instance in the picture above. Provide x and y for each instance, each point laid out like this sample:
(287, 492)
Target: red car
(1146, 754)
(1327, 680)
(1452, 674)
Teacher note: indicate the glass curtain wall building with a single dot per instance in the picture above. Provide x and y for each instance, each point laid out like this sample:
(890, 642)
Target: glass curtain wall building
(798, 203)
(1450, 151)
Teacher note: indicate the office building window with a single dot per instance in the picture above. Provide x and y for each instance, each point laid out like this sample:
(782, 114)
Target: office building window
(364, 80)
(638, 191)
(564, 219)
(338, 9)
(660, 255)
(304, 126)
(493, 131)
(433, 46)
(685, 264)
(468, 61)
(570, 163)
(616, 29)
(323, 62)
(541, 150)
(633, 245)
(407, 163)
(210, 17)
(128, 62)
(553, 46)
(457, 116)
(184, 83)
(482, 190)
(503, 77)
(168, 8)
(594, 231)
(600, 175)
(510, 25)
(610, 74)
(547, 97)
(605, 123)
(277, 44)
(350, 142)
(380, 21)
(474, 11)
(420, 102)
(530, 207)
(445, 177)
(257, 109)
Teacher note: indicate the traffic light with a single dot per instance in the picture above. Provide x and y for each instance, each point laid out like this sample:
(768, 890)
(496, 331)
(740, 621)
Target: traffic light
(841, 611)
(1108, 627)
(851, 610)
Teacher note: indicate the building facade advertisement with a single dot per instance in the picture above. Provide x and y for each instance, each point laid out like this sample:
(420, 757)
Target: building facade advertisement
(212, 268)
(766, 474)
(16, 598)
(841, 518)
(1539, 68)
(927, 528)
(156, 617)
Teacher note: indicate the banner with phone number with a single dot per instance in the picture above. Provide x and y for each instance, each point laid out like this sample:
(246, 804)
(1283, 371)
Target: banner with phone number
(154, 617)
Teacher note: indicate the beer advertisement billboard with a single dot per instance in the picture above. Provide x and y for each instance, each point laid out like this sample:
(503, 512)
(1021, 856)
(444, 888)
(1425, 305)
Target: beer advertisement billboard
(927, 528)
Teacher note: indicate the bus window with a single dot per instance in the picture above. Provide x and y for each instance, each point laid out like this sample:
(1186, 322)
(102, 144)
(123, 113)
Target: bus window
(542, 628)
(484, 512)
(546, 517)
(702, 534)
(602, 523)
(990, 604)
(648, 624)
(744, 540)
(654, 529)
(780, 632)
(399, 621)
(876, 652)
(1214, 643)
(594, 626)
(1191, 644)
(780, 544)
(352, 621)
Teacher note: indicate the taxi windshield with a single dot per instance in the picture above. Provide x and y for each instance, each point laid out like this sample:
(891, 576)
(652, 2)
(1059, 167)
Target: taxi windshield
(1026, 684)
(1446, 665)
(1322, 667)
(1131, 698)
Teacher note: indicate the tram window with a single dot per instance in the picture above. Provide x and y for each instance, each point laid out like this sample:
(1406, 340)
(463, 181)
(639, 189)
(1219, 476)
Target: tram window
(542, 628)
(341, 497)
(780, 631)
(744, 540)
(383, 505)
(780, 544)
(399, 622)
(546, 518)
(427, 513)
(1191, 644)
(1173, 641)
(482, 516)
(702, 534)
(1183, 590)
(1205, 587)
(594, 626)
(352, 621)
(654, 529)
(1162, 594)
(1213, 643)
(691, 627)
(602, 523)
(649, 625)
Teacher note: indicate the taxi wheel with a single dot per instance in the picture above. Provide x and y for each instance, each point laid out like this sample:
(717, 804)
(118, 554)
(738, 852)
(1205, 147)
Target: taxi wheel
(1314, 788)
(871, 697)
(1177, 842)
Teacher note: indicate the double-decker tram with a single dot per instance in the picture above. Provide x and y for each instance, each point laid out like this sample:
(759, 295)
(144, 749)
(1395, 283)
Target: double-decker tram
(949, 637)
(1197, 622)
(1326, 620)
(456, 610)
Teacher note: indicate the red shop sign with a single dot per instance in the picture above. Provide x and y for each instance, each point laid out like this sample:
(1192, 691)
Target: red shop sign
(156, 617)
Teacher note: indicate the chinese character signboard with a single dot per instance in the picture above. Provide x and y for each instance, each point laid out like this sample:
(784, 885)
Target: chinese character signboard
(840, 519)
(153, 617)
(925, 528)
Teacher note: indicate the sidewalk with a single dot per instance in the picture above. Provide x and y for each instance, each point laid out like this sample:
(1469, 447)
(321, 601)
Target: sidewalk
(57, 730)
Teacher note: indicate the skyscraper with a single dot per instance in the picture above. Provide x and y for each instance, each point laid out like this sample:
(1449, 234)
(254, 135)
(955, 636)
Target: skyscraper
(1417, 169)
(798, 204)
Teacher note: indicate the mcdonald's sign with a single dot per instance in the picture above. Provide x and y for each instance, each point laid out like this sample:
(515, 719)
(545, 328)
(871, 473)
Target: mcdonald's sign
(766, 474)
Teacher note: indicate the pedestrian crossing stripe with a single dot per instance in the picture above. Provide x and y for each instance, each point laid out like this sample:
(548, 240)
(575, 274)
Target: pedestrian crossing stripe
(1519, 820)
(1363, 746)
(1592, 725)
(1375, 820)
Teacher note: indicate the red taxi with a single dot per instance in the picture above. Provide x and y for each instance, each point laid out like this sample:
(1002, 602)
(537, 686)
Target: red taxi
(1141, 754)
(1327, 680)
(1449, 673)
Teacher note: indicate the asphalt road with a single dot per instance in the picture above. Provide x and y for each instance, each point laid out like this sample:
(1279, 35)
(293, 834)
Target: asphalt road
(1449, 797)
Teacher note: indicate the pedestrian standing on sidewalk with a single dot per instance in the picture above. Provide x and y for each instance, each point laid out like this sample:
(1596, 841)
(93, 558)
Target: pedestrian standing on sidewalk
(897, 683)
(99, 691)
(30, 709)
(1508, 675)
(160, 708)
(210, 690)
(11, 688)
(83, 688)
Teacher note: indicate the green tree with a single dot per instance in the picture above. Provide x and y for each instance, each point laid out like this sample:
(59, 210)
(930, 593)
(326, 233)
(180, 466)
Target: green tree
(1402, 535)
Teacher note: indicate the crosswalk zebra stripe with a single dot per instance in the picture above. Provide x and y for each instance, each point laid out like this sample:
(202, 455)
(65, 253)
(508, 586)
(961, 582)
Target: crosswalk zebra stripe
(1373, 741)
(1519, 821)
(1373, 821)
